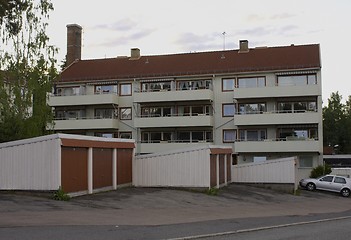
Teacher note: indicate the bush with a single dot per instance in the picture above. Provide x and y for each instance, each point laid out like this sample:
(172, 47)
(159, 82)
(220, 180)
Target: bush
(60, 195)
(320, 171)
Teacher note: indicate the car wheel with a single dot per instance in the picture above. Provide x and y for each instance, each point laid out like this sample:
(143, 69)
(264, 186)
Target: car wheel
(345, 192)
(310, 186)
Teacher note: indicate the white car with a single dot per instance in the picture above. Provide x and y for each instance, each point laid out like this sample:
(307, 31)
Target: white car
(331, 183)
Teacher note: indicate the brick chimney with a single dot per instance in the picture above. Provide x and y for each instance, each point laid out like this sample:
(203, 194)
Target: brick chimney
(244, 46)
(74, 43)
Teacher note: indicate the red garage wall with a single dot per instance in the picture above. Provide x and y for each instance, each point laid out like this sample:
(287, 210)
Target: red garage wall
(102, 167)
(124, 166)
(74, 169)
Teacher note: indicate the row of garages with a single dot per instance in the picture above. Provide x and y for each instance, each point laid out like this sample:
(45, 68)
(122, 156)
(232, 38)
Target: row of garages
(84, 164)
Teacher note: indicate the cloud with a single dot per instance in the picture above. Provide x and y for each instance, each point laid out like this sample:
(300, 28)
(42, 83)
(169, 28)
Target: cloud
(260, 18)
(194, 42)
(125, 39)
(257, 31)
(281, 16)
(121, 25)
(255, 18)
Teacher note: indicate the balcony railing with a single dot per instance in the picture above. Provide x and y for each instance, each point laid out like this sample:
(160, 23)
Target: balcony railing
(184, 94)
(288, 144)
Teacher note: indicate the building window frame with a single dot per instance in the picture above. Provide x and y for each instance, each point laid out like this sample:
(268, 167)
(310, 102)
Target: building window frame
(125, 89)
(260, 82)
(225, 110)
(228, 133)
(125, 135)
(125, 113)
(228, 84)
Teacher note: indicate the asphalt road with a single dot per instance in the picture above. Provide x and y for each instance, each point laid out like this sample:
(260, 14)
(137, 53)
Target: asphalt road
(149, 213)
(322, 230)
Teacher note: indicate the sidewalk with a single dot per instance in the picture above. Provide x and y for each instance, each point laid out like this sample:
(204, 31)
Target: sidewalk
(151, 206)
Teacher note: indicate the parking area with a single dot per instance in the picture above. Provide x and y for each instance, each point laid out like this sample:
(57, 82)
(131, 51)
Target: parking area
(158, 206)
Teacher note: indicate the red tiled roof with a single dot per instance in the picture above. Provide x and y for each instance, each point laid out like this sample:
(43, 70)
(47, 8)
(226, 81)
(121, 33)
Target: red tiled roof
(231, 61)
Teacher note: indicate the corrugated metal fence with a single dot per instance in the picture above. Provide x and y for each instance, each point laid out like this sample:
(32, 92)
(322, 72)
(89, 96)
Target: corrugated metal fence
(36, 171)
(270, 171)
(182, 169)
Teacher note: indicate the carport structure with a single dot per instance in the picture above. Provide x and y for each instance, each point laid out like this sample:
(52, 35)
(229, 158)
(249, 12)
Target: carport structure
(79, 164)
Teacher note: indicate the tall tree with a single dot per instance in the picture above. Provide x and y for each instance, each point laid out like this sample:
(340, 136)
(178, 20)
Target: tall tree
(27, 67)
(336, 124)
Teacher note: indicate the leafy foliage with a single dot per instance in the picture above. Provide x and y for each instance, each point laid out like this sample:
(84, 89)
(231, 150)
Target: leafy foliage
(337, 124)
(60, 195)
(320, 171)
(27, 67)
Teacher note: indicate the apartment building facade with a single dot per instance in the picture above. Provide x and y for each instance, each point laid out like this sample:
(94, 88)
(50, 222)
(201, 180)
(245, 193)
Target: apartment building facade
(264, 102)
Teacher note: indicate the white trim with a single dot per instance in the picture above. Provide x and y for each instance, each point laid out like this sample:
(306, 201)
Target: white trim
(90, 170)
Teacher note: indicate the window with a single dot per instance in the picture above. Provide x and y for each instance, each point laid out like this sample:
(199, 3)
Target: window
(252, 108)
(327, 179)
(105, 135)
(340, 180)
(126, 113)
(156, 86)
(228, 110)
(194, 110)
(228, 84)
(298, 133)
(306, 161)
(70, 114)
(184, 136)
(252, 135)
(297, 107)
(156, 111)
(106, 89)
(194, 84)
(229, 135)
(104, 113)
(252, 82)
(126, 135)
(70, 91)
(126, 89)
(297, 80)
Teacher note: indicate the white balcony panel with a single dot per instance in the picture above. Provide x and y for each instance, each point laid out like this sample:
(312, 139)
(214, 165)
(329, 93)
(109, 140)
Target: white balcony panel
(277, 146)
(276, 118)
(173, 96)
(75, 124)
(56, 101)
(277, 91)
(161, 147)
(177, 121)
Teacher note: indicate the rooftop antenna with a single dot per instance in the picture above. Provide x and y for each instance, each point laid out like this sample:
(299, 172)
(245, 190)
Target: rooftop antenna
(224, 33)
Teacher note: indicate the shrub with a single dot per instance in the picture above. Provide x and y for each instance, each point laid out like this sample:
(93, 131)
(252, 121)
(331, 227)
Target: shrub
(212, 191)
(320, 171)
(60, 195)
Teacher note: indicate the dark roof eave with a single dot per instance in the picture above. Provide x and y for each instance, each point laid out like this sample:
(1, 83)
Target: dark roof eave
(192, 73)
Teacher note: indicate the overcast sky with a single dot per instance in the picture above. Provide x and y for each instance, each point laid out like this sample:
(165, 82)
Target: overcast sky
(112, 27)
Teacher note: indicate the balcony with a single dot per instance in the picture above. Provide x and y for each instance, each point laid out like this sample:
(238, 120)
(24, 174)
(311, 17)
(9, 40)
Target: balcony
(173, 96)
(85, 123)
(278, 145)
(202, 120)
(277, 91)
(276, 118)
(168, 146)
(79, 100)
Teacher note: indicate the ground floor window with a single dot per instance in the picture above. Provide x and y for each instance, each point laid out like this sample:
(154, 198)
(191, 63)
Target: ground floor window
(306, 161)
